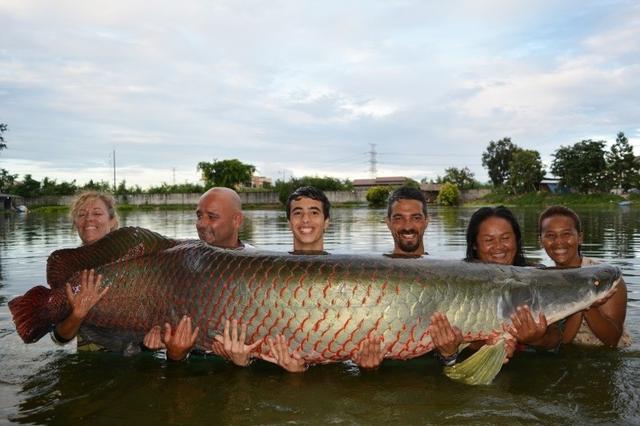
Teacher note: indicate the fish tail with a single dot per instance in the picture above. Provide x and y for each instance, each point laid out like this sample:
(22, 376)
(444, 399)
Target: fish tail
(32, 314)
(481, 367)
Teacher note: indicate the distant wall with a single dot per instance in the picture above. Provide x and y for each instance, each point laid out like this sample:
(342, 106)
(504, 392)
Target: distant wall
(255, 198)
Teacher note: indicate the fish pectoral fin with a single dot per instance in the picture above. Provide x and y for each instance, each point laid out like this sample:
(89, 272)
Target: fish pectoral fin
(481, 367)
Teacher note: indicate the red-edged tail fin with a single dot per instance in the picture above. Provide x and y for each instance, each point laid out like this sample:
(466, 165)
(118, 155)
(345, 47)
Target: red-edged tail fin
(119, 245)
(32, 314)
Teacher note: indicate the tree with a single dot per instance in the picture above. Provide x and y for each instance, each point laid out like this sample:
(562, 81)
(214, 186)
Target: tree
(582, 167)
(51, 187)
(227, 173)
(496, 160)
(7, 181)
(322, 183)
(622, 163)
(3, 128)
(525, 171)
(377, 196)
(462, 178)
(28, 188)
(449, 194)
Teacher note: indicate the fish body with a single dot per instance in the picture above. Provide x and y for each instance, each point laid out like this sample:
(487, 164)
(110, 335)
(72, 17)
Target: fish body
(325, 305)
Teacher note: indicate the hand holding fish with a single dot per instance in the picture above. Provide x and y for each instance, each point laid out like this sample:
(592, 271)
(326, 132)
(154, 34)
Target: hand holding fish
(445, 338)
(153, 339)
(182, 341)
(89, 293)
(370, 353)
(279, 354)
(525, 328)
(233, 348)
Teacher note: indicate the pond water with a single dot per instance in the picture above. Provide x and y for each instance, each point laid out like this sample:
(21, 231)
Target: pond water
(44, 384)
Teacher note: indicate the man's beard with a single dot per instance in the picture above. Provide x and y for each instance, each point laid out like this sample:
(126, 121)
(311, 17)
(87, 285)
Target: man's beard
(408, 247)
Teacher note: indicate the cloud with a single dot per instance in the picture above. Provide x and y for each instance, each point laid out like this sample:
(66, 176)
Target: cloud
(305, 87)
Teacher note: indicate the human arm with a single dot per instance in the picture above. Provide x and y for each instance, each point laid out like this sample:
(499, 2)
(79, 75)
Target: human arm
(88, 295)
(606, 317)
(180, 342)
(537, 334)
(370, 353)
(232, 347)
(571, 327)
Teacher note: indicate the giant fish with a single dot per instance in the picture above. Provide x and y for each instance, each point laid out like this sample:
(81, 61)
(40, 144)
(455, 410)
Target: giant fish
(325, 305)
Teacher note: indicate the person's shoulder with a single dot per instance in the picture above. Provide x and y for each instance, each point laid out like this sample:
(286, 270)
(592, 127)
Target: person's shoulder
(246, 246)
(587, 261)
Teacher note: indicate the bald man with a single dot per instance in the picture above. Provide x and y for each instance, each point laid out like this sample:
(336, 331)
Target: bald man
(219, 217)
(218, 220)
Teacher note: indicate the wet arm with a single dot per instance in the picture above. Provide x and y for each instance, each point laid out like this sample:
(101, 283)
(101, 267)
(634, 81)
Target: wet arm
(571, 327)
(606, 320)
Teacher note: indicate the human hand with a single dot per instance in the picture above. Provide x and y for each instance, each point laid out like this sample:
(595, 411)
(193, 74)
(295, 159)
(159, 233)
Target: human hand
(370, 353)
(524, 328)
(180, 343)
(279, 354)
(232, 347)
(153, 339)
(89, 293)
(445, 338)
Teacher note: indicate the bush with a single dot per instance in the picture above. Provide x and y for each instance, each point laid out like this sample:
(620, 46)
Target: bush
(377, 196)
(449, 194)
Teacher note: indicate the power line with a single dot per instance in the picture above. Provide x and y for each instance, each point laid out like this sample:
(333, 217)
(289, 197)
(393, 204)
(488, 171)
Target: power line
(373, 171)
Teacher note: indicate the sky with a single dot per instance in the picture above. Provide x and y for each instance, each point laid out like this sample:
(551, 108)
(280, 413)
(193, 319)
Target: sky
(301, 88)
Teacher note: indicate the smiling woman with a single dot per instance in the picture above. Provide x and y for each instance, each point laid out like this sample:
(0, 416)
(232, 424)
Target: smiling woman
(94, 216)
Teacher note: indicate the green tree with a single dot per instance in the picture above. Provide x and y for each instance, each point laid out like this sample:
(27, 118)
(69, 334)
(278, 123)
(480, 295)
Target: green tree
(227, 173)
(622, 163)
(525, 171)
(51, 187)
(284, 188)
(582, 167)
(28, 187)
(7, 181)
(496, 160)
(377, 196)
(462, 178)
(449, 194)
(102, 186)
(3, 128)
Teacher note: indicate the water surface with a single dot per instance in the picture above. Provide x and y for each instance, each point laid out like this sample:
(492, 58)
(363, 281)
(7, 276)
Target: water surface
(44, 384)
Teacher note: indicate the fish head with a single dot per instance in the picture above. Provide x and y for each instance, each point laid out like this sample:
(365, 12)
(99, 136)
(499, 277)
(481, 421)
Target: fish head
(577, 289)
(558, 293)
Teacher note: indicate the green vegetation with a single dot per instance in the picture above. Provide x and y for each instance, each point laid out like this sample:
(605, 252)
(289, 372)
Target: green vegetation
(463, 178)
(322, 183)
(449, 195)
(227, 173)
(548, 199)
(377, 196)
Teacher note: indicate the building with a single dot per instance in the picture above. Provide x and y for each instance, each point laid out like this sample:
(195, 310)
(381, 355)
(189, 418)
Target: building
(365, 184)
(260, 182)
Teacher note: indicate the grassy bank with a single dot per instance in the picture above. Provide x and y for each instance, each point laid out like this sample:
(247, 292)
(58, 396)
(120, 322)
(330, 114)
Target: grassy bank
(547, 199)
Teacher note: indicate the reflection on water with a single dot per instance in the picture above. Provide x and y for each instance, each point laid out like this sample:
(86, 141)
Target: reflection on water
(42, 384)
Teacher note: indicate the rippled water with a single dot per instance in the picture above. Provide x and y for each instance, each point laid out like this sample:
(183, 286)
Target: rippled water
(43, 384)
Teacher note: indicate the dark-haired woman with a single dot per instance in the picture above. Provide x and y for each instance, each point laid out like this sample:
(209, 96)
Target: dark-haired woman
(494, 236)
(561, 237)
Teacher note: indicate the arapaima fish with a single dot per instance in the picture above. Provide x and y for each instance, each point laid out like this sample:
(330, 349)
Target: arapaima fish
(325, 305)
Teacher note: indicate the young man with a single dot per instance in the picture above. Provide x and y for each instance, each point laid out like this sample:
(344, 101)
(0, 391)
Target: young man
(308, 212)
